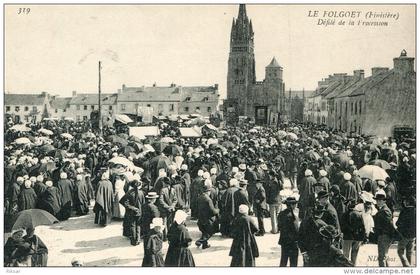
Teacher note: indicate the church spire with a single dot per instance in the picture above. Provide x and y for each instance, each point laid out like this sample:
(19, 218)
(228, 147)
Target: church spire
(242, 12)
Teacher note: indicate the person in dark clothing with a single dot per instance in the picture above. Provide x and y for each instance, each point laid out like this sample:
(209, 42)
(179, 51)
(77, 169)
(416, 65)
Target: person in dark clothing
(353, 228)
(206, 217)
(65, 191)
(406, 227)
(347, 188)
(227, 209)
(241, 196)
(274, 187)
(329, 254)
(81, 196)
(39, 253)
(384, 228)
(289, 233)
(149, 212)
(337, 201)
(103, 201)
(39, 186)
(330, 215)
(260, 205)
(153, 256)
(166, 204)
(178, 185)
(17, 250)
(49, 199)
(244, 247)
(309, 240)
(391, 194)
(179, 255)
(13, 197)
(27, 198)
(133, 202)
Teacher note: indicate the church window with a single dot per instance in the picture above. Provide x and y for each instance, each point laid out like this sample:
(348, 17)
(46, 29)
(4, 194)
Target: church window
(187, 98)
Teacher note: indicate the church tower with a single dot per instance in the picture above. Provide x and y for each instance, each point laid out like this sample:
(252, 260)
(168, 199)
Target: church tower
(241, 64)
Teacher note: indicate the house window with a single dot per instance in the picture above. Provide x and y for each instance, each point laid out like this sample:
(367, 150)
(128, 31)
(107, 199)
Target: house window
(56, 110)
(206, 99)
(64, 110)
(355, 109)
(122, 107)
(351, 108)
(92, 107)
(360, 108)
(7, 108)
(148, 105)
(197, 108)
(208, 109)
(85, 107)
(171, 107)
(34, 108)
(160, 107)
(77, 118)
(188, 98)
(27, 118)
(26, 108)
(78, 107)
(17, 109)
(186, 109)
(110, 107)
(85, 118)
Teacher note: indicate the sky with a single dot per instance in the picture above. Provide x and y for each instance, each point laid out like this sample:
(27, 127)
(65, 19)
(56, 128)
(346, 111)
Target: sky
(56, 48)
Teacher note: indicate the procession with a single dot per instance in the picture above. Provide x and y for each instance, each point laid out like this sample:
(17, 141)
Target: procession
(322, 194)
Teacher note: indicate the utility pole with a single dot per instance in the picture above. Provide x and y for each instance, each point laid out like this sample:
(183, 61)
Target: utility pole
(99, 101)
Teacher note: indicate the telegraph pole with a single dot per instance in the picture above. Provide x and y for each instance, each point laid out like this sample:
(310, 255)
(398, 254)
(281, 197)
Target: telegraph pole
(99, 101)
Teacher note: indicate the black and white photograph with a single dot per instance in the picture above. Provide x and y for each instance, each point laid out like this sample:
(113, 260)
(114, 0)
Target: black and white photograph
(209, 135)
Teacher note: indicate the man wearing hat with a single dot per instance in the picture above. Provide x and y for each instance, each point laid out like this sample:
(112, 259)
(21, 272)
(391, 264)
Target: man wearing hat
(309, 240)
(227, 208)
(27, 198)
(241, 195)
(406, 226)
(149, 212)
(330, 215)
(354, 233)
(384, 228)
(166, 204)
(185, 175)
(289, 233)
(207, 213)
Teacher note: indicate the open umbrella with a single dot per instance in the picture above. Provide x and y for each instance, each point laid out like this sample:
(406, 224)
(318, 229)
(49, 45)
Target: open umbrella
(46, 132)
(228, 144)
(148, 148)
(253, 131)
(159, 146)
(20, 128)
(312, 155)
(281, 134)
(167, 140)
(126, 150)
(172, 150)
(45, 149)
(22, 140)
(212, 141)
(342, 159)
(197, 121)
(211, 127)
(33, 217)
(137, 139)
(373, 172)
(58, 153)
(380, 163)
(67, 136)
(88, 135)
(116, 139)
(160, 162)
(121, 160)
(292, 136)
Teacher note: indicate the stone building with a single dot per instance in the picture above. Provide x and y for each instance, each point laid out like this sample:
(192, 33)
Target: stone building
(371, 105)
(60, 107)
(81, 106)
(263, 101)
(26, 108)
(170, 100)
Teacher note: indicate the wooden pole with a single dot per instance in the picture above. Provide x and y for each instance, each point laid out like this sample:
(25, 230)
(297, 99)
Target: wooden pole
(99, 101)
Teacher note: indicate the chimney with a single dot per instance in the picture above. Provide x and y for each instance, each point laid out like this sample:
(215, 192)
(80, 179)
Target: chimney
(173, 85)
(119, 91)
(44, 94)
(154, 84)
(404, 64)
(379, 70)
(216, 86)
(359, 74)
(73, 93)
(123, 88)
(290, 93)
(340, 77)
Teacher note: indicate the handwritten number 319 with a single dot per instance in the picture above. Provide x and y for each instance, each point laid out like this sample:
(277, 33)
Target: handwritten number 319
(24, 10)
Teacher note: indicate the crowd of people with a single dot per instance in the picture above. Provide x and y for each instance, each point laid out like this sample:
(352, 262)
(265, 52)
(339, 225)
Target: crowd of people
(324, 192)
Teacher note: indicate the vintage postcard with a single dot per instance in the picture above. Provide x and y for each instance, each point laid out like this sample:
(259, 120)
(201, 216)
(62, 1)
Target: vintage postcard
(210, 135)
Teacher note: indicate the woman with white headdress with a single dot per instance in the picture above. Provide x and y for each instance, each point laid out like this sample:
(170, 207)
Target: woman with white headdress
(179, 255)
(153, 255)
(27, 197)
(49, 200)
(244, 247)
(103, 203)
(118, 209)
(81, 200)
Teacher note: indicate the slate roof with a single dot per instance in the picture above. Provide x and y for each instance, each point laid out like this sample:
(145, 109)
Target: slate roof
(144, 94)
(24, 99)
(60, 102)
(92, 99)
(274, 63)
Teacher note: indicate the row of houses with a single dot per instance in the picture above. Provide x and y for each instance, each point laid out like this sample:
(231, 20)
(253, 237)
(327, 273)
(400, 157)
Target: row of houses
(372, 105)
(157, 101)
